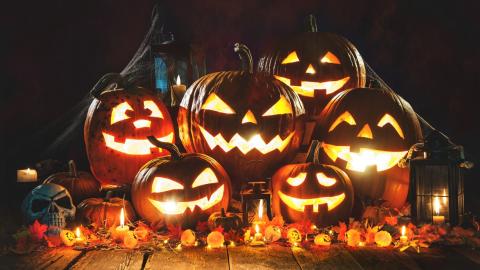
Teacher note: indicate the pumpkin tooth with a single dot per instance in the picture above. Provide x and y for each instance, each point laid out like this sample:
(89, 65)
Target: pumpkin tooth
(132, 146)
(300, 204)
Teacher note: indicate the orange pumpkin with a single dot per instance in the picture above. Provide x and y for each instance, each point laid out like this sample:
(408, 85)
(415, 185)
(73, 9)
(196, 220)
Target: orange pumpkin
(105, 212)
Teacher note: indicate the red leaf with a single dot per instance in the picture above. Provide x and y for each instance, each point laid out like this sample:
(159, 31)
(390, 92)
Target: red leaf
(37, 230)
(341, 229)
(53, 240)
(174, 231)
(202, 227)
(391, 220)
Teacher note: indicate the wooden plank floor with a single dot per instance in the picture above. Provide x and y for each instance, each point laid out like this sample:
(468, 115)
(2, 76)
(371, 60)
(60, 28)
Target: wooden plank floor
(248, 258)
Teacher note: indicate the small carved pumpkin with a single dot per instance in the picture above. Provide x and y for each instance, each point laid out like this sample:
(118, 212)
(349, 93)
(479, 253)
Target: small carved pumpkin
(117, 124)
(180, 188)
(322, 240)
(366, 131)
(227, 221)
(321, 193)
(105, 211)
(81, 185)
(248, 122)
(67, 237)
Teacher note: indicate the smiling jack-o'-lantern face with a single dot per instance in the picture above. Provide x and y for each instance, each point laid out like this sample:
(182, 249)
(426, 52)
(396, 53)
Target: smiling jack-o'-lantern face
(182, 188)
(367, 131)
(316, 66)
(249, 123)
(116, 128)
(321, 193)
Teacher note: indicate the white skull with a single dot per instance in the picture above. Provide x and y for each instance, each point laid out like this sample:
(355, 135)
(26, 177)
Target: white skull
(50, 204)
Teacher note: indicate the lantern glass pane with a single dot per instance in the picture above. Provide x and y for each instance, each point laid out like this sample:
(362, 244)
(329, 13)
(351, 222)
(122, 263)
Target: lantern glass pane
(253, 208)
(181, 69)
(432, 180)
(161, 75)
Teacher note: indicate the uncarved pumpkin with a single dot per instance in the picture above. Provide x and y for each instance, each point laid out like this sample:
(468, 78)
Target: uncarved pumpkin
(105, 211)
(118, 121)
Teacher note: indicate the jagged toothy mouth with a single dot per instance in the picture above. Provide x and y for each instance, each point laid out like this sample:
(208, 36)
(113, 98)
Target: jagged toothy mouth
(299, 204)
(132, 146)
(307, 88)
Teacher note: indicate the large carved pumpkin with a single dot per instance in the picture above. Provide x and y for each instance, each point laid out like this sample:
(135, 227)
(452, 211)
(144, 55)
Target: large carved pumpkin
(180, 188)
(316, 66)
(117, 124)
(249, 123)
(320, 193)
(366, 131)
(105, 211)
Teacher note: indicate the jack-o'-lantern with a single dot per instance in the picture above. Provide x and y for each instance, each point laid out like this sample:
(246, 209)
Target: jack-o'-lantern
(249, 123)
(316, 66)
(366, 131)
(181, 188)
(320, 193)
(117, 124)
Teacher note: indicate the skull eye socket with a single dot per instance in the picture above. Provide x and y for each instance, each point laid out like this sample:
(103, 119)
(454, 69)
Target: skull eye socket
(39, 205)
(216, 104)
(330, 58)
(119, 112)
(204, 178)
(282, 106)
(155, 111)
(388, 119)
(161, 184)
(297, 180)
(325, 181)
(64, 202)
(345, 117)
(291, 58)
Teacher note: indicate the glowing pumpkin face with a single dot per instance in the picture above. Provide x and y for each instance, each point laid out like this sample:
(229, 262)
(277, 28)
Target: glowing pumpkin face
(249, 123)
(367, 131)
(182, 188)
(321, 193)
(116, 128)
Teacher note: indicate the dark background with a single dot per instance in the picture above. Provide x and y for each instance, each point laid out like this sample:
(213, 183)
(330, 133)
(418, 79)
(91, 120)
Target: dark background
(52, 52)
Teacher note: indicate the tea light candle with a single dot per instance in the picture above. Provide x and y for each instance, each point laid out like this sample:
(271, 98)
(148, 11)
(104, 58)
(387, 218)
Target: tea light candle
(78, 237)
(121, 230)
(26, 175)
(258, 237)
(178, 90)
(437, 218)
(403, 237)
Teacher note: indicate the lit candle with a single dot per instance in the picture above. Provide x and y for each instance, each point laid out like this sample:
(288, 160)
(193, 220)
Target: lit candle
(260, 219)
(178, 91)
(437, 218)
(258, 237)
(403, 237)
(26, 175)
(121, 230)
(78, 237)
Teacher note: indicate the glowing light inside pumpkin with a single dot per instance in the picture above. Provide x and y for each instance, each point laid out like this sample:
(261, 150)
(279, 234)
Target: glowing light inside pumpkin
(299, 204)
(344, 117)
(366, 132)
(152, 106)
(206, 177)
(119, 112)
(282, 106)
(132, 146)
(176, 208)
(325, 180)
(366, 157)
(215, 103)
(297, 180)
(249, 118)
(310, 70)
(245, 146)
(388, 119)
(142, 123)
(307, 88)
(330, 58)
(162, 184)
(291, 58)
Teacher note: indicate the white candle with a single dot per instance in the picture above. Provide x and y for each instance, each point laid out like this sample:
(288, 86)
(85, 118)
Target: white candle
(178, 91)
(403, 238)
(27, 175)
(121, 230)
(437, 218)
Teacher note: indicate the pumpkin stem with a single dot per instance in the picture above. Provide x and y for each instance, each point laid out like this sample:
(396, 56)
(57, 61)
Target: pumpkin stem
(245, 56)
(311, 23)
(223, 212)
(108, 196)
(72, 168)
(170, 147)
(108, 82)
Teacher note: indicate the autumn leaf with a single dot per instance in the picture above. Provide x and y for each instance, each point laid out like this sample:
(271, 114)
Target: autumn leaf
(219, 229)
(391, 220)
(174, 231)
(341, 229)
(202, 227)
(53, 240)
(37, 230)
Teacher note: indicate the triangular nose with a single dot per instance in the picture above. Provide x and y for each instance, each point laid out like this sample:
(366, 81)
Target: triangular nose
(249, 118)
(366, 132)
(310, 69)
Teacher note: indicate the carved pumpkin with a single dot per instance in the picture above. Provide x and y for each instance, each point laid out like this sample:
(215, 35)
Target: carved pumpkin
(117, 124)
(104, 211)
(67, 237)
(366, 131)
(316, 66)
(227, 221)
(321, 193)
(247, 122)
(81, 185)
(180, 188)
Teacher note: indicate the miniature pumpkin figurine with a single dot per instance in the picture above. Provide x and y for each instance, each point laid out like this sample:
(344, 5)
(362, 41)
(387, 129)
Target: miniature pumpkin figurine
(118, 121)
(316, 66)
(81, 185)
(180, 188)
(67, 237)
(248, 122)
(227, 221)
(366, 131)
(321, 193)
(322, 240)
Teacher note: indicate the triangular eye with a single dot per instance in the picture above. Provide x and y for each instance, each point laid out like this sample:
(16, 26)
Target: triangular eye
(155, 111)
(291, 58)
(325, 181)
(119, 112)
(297, 180)
(330, 58)
(345, 117)
(215, 103)
(206, 177)
(282, 106)
(162, 184)
(388, 119)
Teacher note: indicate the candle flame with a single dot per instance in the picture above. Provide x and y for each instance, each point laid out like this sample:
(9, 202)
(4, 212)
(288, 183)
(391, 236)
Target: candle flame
(257, 229)
(122, 218)
(28, 170)
(178, 80)
(403, 230)
(260, 210)
(436, 205)
(77, 232)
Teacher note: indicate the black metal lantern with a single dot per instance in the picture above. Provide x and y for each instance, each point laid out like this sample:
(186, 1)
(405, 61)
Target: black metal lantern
(255, 197)
(436, 190)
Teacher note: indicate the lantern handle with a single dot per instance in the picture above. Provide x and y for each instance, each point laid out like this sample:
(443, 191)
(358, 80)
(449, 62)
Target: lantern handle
(405, 162)
(245, 56)
(311, 24)
(108, 82)
(175, 153)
